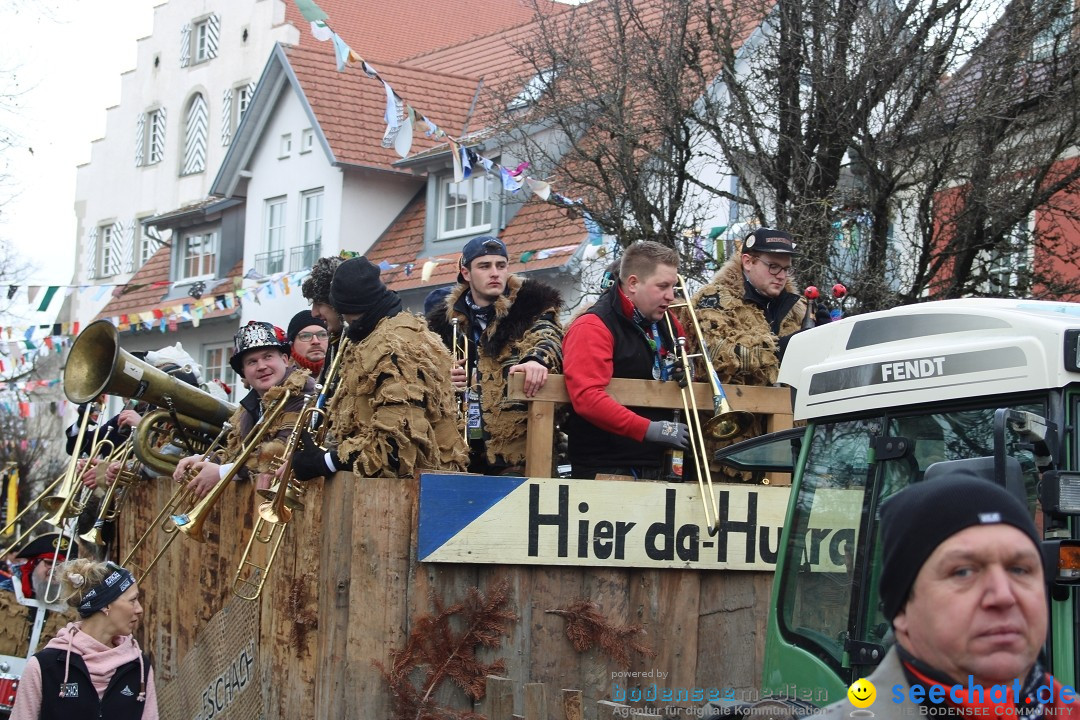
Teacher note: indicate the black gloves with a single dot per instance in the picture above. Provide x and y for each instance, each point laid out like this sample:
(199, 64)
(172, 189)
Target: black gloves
(309, 460)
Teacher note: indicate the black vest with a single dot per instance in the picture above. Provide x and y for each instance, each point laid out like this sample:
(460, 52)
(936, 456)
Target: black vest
(632, 358)
(120, 701)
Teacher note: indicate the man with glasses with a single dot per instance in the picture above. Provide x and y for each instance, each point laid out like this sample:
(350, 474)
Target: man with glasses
(751, 309)
(309, 338)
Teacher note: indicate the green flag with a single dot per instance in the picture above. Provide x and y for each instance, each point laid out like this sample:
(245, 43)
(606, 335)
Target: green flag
(311, 11)
(48, 298)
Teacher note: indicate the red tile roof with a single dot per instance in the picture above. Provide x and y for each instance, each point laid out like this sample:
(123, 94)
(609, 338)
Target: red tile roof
(391, 31)
(539, 228)
(349, 105)
(153, 277)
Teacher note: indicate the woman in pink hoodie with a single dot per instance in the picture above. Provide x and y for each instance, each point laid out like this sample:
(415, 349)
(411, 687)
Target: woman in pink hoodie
(92, 668)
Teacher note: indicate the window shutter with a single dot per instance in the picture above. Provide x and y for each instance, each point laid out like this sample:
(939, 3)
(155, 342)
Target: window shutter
(158, 150)
(195, 136)
(213, 31)
(226, 116)
(140, 140)
(127, 240)
(185, 45)
(116, 249)
(91, 254)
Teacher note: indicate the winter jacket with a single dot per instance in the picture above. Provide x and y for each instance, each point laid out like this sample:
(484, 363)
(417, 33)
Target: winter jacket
(743, 329)
(243, 419)
(604, 343)
(104, 681)
(525, 327)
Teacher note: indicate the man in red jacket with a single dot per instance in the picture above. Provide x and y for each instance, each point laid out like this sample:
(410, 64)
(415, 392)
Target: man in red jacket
(625, 334)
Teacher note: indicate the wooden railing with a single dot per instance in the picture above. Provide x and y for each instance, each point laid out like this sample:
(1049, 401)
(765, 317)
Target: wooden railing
(774, 402)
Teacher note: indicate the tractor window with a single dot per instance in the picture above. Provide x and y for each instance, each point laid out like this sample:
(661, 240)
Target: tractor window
(828, 592)
(816, 591)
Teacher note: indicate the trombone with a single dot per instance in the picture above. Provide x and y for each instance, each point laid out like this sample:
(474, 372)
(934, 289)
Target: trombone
(181, 497)
(191, 523)
(725, 423)
(113, 502)
(274, 513)
(684, 374)
(69, 498)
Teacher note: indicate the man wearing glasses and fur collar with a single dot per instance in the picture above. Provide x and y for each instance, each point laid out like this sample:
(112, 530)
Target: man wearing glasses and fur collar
(751, 309)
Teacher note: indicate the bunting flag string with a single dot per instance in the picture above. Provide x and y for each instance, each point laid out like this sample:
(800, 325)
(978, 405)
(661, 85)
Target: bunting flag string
(400, 116)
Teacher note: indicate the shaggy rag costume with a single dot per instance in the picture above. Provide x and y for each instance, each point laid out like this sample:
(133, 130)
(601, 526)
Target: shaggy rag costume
(395, 414)
(99, 680)
(393, 410)
(523, 324)
(276, 433)
(743, 328)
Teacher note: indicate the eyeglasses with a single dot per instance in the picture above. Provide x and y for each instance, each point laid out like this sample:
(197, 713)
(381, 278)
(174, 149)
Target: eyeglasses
(775, 269)
(307, 336)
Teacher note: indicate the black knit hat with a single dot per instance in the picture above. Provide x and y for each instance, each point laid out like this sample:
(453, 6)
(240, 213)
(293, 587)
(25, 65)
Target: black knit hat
(919, 518)
(301, 320)
(356, 286)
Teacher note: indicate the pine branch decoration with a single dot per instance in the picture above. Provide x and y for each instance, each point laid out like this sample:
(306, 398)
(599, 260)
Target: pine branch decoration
(434, 649)
(586, 627)
(304, 620)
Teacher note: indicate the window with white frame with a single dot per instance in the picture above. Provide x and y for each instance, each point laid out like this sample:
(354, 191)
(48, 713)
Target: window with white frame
(108, 250)
(285, 147)
(307, 141)
(197, 255)
(274, 218)
(216, 366)
(312, 216)
(204, 39)
(150, 137)
(275, 223)
(464, 207)
(196, 128)
(1009, 267)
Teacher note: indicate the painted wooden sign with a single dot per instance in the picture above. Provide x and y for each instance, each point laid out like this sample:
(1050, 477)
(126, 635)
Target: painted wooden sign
(547, 521)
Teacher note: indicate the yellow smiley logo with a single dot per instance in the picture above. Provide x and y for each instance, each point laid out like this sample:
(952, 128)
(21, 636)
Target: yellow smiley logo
(862, 693)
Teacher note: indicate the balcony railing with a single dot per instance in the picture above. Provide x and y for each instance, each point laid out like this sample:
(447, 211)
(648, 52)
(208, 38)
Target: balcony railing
(303, 257)
(268, 263)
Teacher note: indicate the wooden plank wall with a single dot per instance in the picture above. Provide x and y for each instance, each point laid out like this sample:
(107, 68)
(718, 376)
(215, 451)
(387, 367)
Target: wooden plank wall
(349, 564)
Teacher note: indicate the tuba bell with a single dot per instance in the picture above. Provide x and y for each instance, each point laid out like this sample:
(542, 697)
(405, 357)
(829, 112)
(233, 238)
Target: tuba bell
(97, 364)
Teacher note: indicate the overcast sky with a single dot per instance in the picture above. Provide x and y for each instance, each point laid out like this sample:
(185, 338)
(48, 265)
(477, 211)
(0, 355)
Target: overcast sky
(63, 60)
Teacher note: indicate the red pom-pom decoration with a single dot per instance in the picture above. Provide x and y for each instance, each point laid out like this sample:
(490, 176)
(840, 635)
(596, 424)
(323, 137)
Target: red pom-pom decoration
(811, 293)
(839, 291)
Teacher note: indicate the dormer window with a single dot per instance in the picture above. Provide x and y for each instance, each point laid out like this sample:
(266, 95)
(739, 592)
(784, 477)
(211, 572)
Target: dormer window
(464, 207)
(533, 89)
(197, 255)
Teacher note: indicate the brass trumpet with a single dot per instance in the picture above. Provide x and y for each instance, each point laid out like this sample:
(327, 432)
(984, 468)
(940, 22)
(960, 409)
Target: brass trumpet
(328, 395)
(460, 351)
(64, 501)
(113, 502)
(274, 513)
(191, 523)
(725, 422)
(181, 497)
